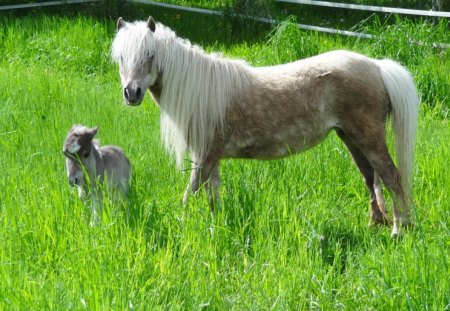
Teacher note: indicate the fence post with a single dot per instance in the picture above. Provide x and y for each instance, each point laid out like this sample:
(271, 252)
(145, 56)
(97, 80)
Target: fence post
(436, 6)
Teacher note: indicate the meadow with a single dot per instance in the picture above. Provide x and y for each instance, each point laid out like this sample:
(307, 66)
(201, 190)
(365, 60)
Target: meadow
(292, 233)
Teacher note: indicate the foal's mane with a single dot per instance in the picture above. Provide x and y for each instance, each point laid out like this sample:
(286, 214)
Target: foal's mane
(197, 87)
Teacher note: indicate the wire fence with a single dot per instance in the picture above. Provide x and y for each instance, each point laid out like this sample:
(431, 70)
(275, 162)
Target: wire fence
(312, 27)
(367, 8)
(42, 4)
(370, 8)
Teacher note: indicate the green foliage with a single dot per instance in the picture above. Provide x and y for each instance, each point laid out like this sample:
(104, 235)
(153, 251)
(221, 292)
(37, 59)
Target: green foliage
(423, 47)
(74, 46)
(292, 233)
(290, 43)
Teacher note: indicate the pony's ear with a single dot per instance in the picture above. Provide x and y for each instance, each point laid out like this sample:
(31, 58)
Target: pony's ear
(151, 24)
(120, 23)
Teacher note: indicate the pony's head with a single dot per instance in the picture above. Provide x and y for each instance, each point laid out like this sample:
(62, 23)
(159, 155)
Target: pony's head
(134, 50)
(77, 149)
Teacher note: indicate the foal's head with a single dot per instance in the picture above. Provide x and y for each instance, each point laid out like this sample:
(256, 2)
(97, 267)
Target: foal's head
(134, 50)
(78, 151)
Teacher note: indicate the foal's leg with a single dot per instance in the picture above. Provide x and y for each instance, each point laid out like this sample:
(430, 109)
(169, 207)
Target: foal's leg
(97, 206)
(378, 213)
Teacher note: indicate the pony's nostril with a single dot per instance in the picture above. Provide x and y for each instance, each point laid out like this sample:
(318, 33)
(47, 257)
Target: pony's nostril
(138, 92)
(76, 181)
(126, 93)
(132, 95)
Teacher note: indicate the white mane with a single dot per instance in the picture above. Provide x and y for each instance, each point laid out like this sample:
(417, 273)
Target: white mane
(132, 48)
(197, 87)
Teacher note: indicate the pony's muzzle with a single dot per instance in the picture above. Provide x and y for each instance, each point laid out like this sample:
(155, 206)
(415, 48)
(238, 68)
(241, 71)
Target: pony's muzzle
(133, 95)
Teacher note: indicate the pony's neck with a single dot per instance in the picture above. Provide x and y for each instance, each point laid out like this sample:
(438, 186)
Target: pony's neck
(196, 89)
(156, 88)
(182, 63)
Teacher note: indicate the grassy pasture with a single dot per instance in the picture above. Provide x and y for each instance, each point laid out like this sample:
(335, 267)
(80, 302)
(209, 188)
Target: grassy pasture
(292, 233)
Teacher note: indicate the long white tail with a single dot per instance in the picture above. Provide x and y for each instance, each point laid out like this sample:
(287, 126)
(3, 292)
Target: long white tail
(405, 109)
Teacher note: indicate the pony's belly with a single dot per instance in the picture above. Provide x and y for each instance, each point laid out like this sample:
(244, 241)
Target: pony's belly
(267, 151)
(274, 142)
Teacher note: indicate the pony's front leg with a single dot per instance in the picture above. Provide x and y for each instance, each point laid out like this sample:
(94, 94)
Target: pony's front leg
(212, 188)
(193, 184)
(209, 175)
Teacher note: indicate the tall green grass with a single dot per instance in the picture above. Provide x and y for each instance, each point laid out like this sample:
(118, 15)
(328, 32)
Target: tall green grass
(292, 234)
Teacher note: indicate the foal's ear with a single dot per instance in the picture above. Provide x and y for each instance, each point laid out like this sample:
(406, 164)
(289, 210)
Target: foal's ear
(151, 24)
(93, 131)
(120, 23)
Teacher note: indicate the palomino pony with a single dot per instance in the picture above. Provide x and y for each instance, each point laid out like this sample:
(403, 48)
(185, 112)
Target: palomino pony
(219, 108)
(89, 166)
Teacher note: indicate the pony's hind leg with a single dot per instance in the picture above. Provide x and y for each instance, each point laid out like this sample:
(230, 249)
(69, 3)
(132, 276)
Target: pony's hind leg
(379, 195)
(384, 166)
(373, 146)
(378, 213)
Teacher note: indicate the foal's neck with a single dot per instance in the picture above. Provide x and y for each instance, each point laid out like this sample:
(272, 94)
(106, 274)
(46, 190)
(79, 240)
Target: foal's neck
(95, 158)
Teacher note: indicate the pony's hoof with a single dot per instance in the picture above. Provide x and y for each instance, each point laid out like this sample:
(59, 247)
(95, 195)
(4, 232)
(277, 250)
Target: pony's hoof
(408, 226)
(406, 223)
(379, 220)
(395, 235)
(396, 232)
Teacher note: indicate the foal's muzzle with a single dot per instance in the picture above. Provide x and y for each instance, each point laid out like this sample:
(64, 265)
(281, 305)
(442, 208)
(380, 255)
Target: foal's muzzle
(74, 182)
(133, 95)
